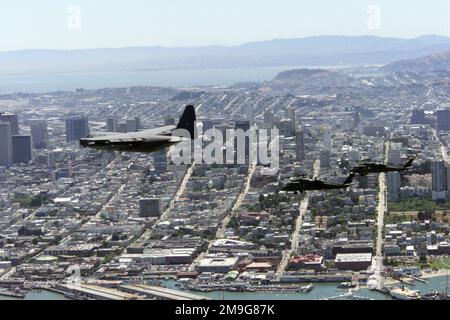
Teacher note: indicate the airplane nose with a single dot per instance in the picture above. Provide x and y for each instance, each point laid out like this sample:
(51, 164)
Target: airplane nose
(83, 143)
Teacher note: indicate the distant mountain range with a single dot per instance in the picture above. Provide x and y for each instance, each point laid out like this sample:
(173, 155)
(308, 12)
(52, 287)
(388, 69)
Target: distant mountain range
(433, 62)
(311, 51)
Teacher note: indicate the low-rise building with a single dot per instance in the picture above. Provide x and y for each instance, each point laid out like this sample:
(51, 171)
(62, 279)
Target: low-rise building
(353, 261)
(217, 264)
(309, 262)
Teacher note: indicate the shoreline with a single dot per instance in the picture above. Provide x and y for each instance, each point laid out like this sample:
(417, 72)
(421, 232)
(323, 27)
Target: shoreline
(433, 274)
(439, 273)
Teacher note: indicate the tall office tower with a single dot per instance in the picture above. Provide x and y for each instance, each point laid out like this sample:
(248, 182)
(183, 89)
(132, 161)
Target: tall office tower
(324, 158)
(353, 154)
(138, 123)
(39, 133)
(418, 117)
(149, 207)
(356, 119)
(393, 186)
(291, 112)
(245, 126)
(268, 119)
(122, 127)
(160, 160)
(77, 128)
(250, 114)
(285, 127)
(347, 124)
(439, 180)
(374, 131)
(6, 151)
(394, 157)
(132, 126)
(51, 160)
(300, 145)
(326, 134)
(13, 120)
(443, 118)
(22, 149)
(111, 124)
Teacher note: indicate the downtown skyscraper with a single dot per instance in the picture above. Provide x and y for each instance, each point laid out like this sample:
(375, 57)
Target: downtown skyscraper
(76, 128)
(6, 151)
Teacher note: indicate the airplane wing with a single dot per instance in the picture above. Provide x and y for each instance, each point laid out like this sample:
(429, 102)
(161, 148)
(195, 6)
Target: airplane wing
(146, 139)
(155, 131)
(298, 179)
(131, 136)
(151, 135)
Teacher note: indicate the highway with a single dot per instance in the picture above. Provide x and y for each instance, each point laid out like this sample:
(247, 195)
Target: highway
(273, 104)
(114, 198)
(8, 274)
(198, 107)
(238, 110)
(228, 106)
(290, 103)
(231, 212)
(179, 192)
(295, 236)
(377, 263)
(443, 148)
(237, 204)
(175, 198)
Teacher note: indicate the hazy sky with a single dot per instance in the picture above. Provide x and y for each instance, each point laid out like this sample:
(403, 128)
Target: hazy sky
(119, 23)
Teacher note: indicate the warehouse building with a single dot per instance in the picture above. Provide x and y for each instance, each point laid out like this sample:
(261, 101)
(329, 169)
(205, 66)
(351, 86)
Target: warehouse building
(353, 261)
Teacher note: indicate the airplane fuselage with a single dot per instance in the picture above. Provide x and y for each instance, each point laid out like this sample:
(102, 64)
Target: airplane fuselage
(146, 141)
(364, 169)
(313, 185)
(146, 146)
(378, 169)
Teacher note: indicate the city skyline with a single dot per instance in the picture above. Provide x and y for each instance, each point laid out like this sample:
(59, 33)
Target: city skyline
(64, 204)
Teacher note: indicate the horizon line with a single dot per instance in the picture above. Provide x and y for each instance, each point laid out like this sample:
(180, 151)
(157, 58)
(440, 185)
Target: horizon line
(222, 45)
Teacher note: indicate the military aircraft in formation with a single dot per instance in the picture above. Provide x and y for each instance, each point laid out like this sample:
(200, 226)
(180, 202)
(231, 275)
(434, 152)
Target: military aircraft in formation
(303, 184)
(364, 169)
(145, 141)
(152, 140)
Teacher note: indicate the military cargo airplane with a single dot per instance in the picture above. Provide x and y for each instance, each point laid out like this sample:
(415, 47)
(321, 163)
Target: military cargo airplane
(371, 167)
(302, 184)
(145, 141)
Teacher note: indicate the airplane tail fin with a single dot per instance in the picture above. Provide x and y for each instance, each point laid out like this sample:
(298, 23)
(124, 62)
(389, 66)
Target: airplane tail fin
(187, 120)
(349, 179)
(409, 163)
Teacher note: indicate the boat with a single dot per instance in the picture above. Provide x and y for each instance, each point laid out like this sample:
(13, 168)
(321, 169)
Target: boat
(307, 288)
(435, 295)
(438, 295)
(346, 285)
(404, 293)
(347, 296)
(12, 293)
